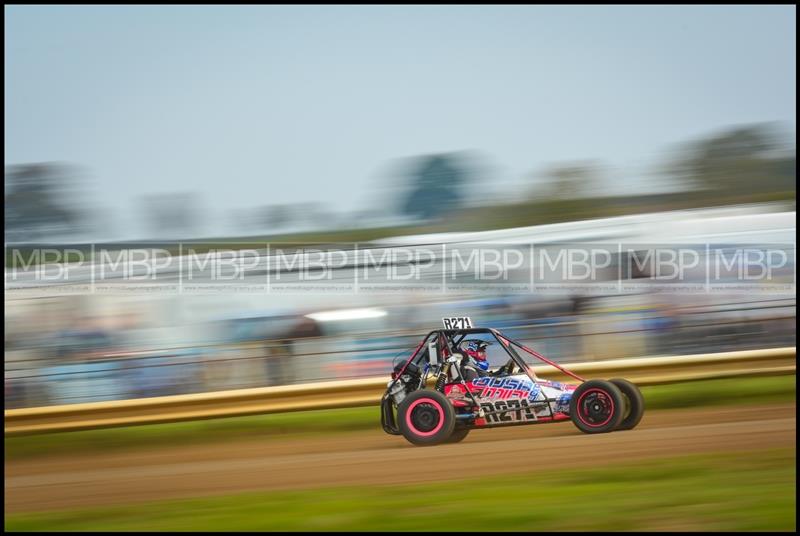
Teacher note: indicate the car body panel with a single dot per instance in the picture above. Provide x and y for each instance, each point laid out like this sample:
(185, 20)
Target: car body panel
(531, 400)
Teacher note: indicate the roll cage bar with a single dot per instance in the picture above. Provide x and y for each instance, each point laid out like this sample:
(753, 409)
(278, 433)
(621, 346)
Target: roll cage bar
(447, 341)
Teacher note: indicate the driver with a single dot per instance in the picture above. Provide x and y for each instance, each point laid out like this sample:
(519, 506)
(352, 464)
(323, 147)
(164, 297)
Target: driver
(475, 364)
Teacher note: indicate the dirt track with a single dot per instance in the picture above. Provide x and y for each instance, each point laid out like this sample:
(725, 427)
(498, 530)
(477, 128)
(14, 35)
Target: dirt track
(375, 458)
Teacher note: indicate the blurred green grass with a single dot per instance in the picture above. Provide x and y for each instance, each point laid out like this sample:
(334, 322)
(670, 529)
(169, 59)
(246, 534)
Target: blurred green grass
(761, 390)
(744, 491)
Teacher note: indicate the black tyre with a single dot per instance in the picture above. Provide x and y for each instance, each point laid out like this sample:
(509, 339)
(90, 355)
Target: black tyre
(597, 406)
(426, 418)
(458, 435)
(634, 407)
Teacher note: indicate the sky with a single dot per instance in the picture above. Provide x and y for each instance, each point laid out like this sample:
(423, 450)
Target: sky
(259, 105)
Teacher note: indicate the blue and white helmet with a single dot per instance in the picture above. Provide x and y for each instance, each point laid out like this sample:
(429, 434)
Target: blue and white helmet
(476, 350)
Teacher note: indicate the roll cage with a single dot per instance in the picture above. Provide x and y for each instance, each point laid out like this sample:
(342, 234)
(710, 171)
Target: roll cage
(446, 344)
(447, 341)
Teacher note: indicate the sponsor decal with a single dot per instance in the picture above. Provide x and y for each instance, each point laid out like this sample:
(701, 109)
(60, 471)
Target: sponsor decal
(562, 403)
(506, 388)
(513, 411)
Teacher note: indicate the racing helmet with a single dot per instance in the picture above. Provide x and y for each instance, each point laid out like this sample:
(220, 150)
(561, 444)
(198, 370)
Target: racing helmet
(476, 350)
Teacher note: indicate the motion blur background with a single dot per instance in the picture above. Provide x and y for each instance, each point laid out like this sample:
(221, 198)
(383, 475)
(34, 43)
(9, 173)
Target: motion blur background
(379, 126)
(324, 126)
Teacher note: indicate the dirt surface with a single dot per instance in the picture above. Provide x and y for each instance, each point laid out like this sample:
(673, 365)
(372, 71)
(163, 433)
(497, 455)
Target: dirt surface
(374, 458)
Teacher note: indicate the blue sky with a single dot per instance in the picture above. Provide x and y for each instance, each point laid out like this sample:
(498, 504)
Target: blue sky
(254, 105)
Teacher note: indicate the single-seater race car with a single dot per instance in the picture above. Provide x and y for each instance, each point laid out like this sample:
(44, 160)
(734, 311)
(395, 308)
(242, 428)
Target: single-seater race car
(467, 394)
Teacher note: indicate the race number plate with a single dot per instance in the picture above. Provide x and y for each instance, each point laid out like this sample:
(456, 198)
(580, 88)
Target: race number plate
(457, 322)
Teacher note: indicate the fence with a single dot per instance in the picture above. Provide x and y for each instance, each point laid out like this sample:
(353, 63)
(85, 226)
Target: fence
(367, 392)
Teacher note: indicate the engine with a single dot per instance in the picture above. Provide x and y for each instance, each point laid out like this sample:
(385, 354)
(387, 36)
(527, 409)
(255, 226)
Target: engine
(405, 384)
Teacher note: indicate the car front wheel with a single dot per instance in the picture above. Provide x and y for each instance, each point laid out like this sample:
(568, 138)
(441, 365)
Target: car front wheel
(426, 418)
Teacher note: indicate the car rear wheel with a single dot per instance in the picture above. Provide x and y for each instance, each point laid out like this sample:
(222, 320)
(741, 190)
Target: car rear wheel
(634, 407)
(597, 406)
(426, 418)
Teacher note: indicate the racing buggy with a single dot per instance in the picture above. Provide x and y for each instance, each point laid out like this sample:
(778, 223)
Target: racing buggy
(437, 395)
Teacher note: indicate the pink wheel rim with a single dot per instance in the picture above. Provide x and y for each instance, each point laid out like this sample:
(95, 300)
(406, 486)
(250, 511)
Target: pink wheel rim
(433, 403)
(579, 407)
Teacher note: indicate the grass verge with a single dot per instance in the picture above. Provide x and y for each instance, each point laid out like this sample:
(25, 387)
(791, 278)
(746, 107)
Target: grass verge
(750, 491)
(681, 395)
